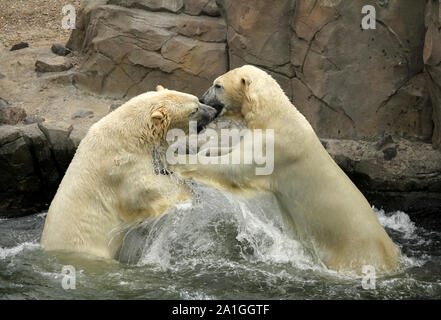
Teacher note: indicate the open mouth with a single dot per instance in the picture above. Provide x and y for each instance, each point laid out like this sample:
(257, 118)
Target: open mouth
(201, 128)
(219, 107)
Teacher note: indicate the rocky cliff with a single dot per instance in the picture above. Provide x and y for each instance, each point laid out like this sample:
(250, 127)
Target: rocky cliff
(349, 82)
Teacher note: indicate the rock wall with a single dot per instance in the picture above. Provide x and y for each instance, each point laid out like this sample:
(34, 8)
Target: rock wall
(33, 159)
(349, 82)
(432, 61)
(130, 46)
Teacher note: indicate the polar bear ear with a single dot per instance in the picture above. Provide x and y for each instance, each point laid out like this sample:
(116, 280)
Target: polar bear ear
(157, 115)
(245, 81)
(160, 88)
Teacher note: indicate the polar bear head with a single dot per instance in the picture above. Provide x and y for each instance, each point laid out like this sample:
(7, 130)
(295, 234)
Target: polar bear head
(155, 113)
(231, 91)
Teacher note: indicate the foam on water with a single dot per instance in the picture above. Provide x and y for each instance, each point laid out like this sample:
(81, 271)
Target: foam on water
(219, 225)
(9, 252)
(398, 221)
(219, 230)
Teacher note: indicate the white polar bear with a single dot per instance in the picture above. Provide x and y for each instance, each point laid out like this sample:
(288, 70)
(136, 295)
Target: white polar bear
(325, 208)
(114, 179)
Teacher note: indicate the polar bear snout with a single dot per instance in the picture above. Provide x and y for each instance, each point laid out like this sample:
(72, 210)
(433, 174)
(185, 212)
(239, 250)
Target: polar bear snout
(204, 115)
(210, 98)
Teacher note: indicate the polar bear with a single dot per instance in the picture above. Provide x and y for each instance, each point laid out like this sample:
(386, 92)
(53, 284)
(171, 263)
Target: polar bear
(115, 178)
(325, 209)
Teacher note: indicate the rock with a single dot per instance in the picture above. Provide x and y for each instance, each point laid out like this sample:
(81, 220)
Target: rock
(114, 106)
(57, 133)
(11, 114)
(259, 33)
(29, 174)
(30, 119)
(60, 50)
(78, 134)
(18, 182)
(153, 5)
(19, 46)
(130, 51)
(406, 177)
(3, 103)
(2, 76)
(46, 167)
(57, 64)
(432, 61)
(198, 7)
(390, 153)
(82, 114)
(338, 69)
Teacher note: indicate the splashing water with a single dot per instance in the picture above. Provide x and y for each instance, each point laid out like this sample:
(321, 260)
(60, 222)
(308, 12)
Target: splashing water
(219, 246)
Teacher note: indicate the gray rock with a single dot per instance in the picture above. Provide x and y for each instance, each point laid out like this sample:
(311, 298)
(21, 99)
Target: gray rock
(78, 134)
(60, 50)
(198, 7)
(132, 51)
(43, 159)
(58, 135)
(153, 5)
(2, 76)
(57, 64)
(114, 106)
(432, 61)
(3, 103)
(11, 114)
(406, 177)
(18, 182)
(29, 175)
(390, 153)
(57, 132)
(19, 46)
(32, 118)
(82, 114)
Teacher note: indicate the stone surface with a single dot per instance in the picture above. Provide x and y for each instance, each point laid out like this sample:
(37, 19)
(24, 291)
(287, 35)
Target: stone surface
(60, 50)
(57, 133)
(153, 5)
(56, 64)
(198, 7)
(128, 51)
(357, 83)
(432, 61)
(82, 114)
(30, 119)
(3, 103)
(349, 82)
(410, 180)
(29, 171)
(19, 46)
(11, 114)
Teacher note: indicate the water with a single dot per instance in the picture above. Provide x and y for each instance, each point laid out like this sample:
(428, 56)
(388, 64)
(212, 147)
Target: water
(219, 247)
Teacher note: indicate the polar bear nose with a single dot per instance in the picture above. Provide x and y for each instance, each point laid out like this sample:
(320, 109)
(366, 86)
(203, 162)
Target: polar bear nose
(205, 115)
(209, 98)
(207, 111)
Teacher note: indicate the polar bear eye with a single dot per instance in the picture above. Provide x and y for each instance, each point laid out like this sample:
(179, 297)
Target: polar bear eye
(218, 86)
(193, 112)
